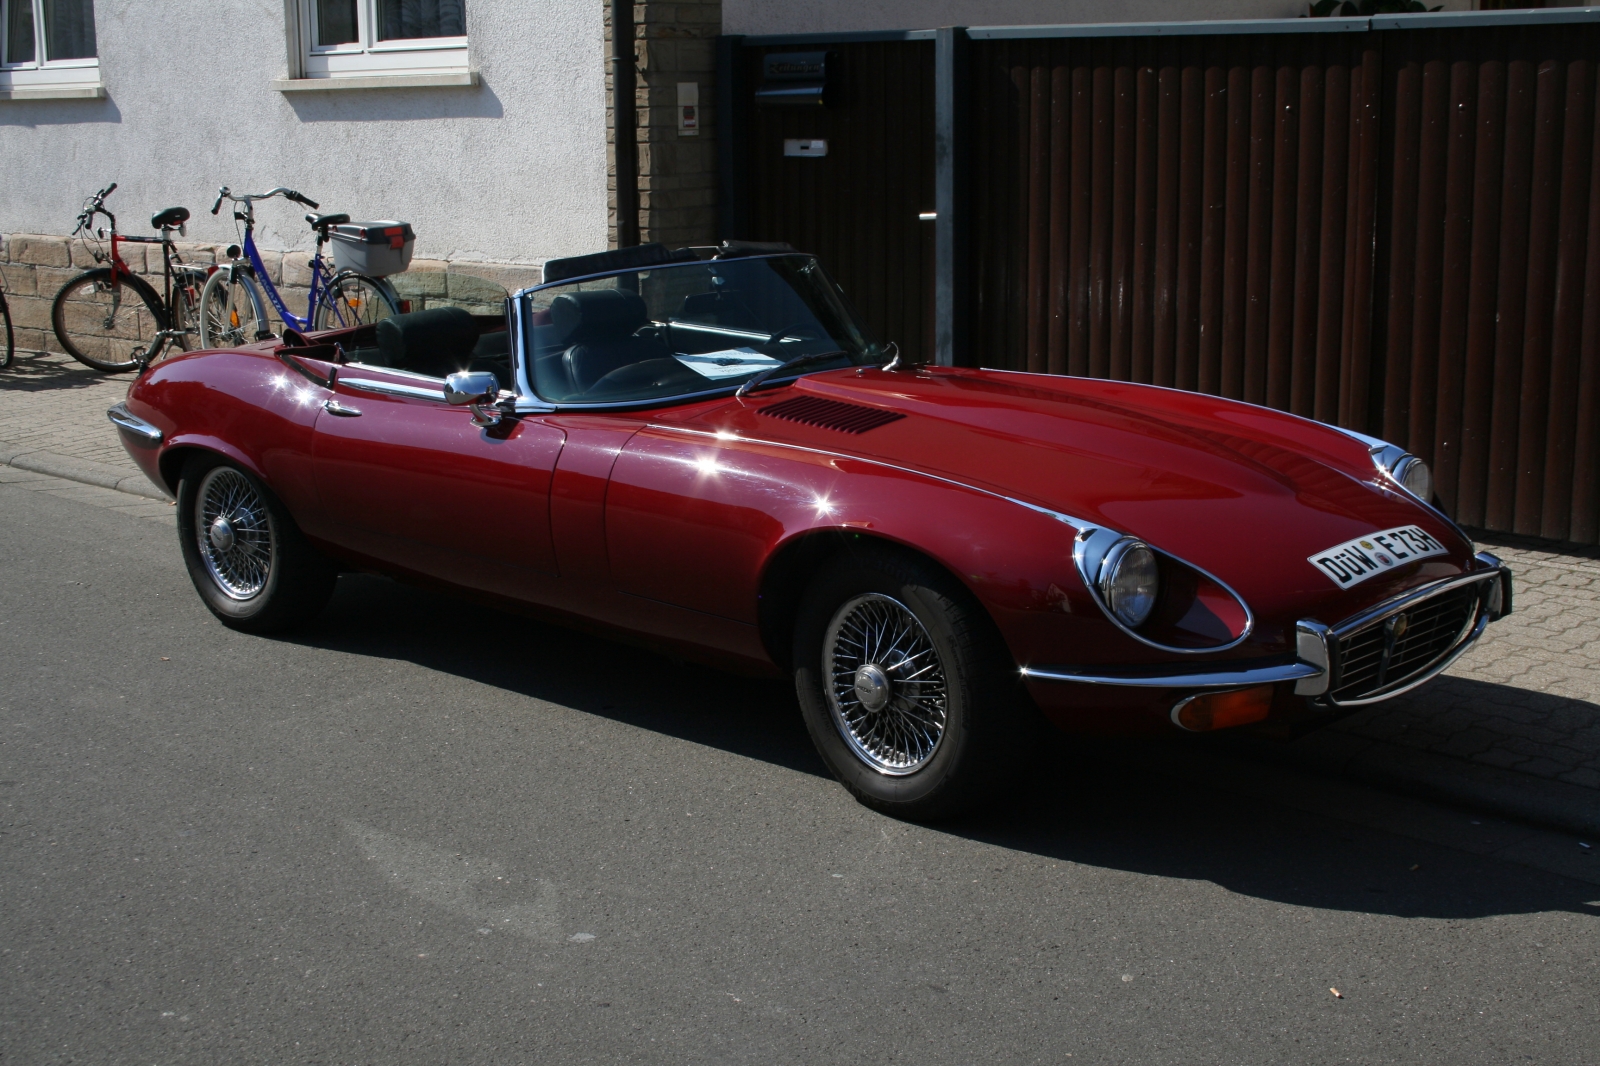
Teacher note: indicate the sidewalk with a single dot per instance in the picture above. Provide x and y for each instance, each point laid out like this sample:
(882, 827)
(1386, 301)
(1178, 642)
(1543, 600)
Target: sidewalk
(1513, 727)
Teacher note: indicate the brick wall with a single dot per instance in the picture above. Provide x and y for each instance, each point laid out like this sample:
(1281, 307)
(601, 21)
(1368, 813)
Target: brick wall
(674, 42)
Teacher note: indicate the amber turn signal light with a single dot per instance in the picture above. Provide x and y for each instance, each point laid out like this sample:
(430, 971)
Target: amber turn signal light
(1223, 710)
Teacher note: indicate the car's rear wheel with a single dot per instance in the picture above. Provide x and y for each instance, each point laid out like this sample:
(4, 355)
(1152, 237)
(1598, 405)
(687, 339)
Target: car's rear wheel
(907, 689)
(248, 560)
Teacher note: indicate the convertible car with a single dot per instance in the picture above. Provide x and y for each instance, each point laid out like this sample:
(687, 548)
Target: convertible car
(711, 457)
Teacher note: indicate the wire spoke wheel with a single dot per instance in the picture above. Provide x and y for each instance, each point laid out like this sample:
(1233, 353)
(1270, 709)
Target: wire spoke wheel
(885, 684)
(107, 322)
(235, 534)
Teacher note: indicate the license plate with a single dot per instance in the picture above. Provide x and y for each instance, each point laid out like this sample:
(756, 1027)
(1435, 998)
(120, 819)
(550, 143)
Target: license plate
(1354, 561)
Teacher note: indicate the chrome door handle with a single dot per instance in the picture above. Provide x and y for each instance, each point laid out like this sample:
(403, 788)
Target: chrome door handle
(334, 407)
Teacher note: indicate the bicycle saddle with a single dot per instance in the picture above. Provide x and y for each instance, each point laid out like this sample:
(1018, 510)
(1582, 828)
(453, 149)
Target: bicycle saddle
(324, 221)
(171, 218)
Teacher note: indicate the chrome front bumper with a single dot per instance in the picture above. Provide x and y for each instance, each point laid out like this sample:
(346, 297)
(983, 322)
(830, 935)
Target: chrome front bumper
(1314, 668)
(136, 428)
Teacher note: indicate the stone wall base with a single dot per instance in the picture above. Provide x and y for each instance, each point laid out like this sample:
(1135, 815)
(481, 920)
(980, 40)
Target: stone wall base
(35, 266)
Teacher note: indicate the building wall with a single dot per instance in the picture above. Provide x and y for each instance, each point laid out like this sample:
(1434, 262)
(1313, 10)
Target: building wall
(812, 16)
(512, 171)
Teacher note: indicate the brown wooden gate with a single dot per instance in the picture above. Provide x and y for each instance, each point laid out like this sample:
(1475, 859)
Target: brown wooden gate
(856, 207)
(1391, 224)
(1490, 271)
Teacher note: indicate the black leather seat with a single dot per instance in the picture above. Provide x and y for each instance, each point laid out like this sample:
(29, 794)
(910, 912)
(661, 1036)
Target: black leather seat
(437, 342)
(598, 330)
(171, 218)
(324, 221)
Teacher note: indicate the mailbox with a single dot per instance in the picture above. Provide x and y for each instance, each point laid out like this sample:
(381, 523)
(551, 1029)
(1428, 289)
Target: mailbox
(794, 79)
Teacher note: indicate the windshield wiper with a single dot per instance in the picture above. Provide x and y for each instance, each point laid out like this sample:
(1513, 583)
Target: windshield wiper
(793, 364)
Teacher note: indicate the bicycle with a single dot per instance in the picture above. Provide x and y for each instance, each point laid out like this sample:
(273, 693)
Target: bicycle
(95, 320)
(10, 351)
(231, 312)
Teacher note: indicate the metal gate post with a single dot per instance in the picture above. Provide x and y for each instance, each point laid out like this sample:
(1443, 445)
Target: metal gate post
(951, 150)
(731, 121)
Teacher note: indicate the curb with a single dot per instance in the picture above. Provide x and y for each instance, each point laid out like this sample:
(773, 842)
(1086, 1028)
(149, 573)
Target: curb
(84, 471)
(1426, 774)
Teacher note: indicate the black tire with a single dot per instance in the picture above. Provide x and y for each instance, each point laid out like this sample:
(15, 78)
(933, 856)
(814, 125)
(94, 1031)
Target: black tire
(259, 574)
(353, 299)
(883, 756)
(10, 351)
(108, 322)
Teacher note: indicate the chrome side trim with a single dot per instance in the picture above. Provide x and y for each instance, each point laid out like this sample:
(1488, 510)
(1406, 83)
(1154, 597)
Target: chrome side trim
(394, 388)
(1207, 679)
(134, 426)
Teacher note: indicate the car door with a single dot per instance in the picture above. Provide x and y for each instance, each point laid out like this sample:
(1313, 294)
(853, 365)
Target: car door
(409, 480)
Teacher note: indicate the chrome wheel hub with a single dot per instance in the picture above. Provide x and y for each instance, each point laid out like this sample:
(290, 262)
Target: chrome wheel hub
(886, 686)
(872, 687)
(222, 534)
(234, 532)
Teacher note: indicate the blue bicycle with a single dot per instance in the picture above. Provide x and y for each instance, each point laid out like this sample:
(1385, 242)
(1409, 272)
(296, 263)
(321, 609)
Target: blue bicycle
(231, 311)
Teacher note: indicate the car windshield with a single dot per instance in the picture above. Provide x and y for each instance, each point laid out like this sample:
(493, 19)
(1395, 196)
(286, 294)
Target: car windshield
(688, 328)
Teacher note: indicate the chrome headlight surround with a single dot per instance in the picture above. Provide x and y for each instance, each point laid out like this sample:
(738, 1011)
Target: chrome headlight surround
(1129, 581)
(1399, 466)
(1094, 548)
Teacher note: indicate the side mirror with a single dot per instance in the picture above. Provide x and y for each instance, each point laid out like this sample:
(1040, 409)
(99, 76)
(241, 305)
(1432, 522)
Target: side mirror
(477, 389)
(471, 387)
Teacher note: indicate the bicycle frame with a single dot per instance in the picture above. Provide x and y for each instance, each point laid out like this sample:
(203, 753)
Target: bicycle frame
(318, 283)
(119, 267)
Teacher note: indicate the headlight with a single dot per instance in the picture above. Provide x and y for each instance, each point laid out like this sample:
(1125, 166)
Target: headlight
(1414, 474)
(1128, 582)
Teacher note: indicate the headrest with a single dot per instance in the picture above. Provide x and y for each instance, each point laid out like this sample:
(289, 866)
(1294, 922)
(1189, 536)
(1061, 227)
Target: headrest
(436, 335)
(597, 315)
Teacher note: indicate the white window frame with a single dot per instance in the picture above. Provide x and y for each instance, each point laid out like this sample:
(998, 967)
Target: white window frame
(48, 79)
(369, 62)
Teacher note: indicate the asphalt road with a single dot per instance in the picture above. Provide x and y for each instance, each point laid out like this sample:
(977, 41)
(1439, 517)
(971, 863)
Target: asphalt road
(425, 833)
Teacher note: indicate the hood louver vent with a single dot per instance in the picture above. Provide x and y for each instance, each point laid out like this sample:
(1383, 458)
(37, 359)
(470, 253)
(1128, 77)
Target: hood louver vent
(830, 414)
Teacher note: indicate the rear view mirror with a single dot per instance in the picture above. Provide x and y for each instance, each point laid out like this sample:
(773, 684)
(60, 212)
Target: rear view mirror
(470, 387)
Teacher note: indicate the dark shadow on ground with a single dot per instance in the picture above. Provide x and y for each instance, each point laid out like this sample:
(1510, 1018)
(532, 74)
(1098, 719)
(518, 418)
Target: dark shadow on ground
(1098, 803)
(51, 372)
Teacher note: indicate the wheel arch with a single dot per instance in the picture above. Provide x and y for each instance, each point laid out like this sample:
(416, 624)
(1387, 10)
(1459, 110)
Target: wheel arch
(177, 455)
(792, 564)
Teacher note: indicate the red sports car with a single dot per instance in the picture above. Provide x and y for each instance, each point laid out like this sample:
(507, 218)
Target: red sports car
(710, 456)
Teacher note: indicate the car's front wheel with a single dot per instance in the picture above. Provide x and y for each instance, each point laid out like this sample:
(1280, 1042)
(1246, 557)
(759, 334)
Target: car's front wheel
(906, 687)
(248, 560)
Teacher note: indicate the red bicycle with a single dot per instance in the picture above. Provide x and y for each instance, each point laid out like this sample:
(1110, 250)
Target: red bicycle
(109, 317)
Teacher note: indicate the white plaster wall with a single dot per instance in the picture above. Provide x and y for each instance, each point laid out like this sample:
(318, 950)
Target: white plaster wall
(813, 16)
(513, 171)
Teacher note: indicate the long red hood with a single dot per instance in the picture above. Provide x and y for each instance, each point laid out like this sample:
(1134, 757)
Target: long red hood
(1242, 491)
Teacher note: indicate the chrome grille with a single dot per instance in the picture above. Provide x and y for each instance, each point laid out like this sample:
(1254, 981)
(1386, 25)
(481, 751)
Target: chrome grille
(1392, 650)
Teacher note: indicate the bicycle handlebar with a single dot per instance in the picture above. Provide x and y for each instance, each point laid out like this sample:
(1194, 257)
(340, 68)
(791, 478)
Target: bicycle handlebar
(288, 194)
(95, 205)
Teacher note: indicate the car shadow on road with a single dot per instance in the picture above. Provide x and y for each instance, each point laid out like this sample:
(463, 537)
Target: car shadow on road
(1097, 803)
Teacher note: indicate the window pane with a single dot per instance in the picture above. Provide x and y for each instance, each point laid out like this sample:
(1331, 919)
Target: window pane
(336, 21)
(400, 20)
(19, 31)
(69, 29)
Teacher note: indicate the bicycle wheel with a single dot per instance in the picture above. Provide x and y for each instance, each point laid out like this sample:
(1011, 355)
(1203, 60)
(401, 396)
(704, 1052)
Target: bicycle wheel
(353, 299)
(230, 311)
(108, 322)
(187, 284)
(10, 351)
